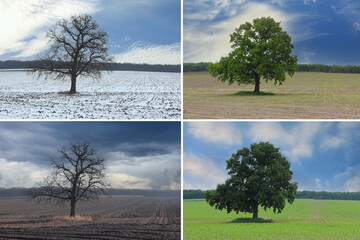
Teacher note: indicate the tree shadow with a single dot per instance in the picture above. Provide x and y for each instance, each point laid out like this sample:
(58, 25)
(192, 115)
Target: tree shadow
(252, 220)
(251, 93)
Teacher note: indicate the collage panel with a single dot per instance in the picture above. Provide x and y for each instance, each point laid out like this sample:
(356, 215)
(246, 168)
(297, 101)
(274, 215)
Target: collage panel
(264, 59)
(271, 180)
(90, 180)
(99, 59)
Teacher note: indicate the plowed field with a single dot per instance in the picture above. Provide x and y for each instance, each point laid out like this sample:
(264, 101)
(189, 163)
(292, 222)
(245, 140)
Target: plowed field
(112, 218)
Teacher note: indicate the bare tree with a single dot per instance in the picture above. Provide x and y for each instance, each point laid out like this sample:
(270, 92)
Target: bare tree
(78, 47)
(78, 176)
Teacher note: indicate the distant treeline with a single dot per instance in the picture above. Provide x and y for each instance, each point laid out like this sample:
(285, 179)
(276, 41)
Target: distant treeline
(20, 192)
(196, 194)
(201, 67)
(12, 64)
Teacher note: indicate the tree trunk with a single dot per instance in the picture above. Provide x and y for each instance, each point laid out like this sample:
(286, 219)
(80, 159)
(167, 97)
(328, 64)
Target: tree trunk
(255, 211)
(72, 208)
(257, 84)
(73, 84)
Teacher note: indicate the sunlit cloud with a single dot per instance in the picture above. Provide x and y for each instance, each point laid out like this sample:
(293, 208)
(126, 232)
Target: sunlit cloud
(223, 133)
(23, 24)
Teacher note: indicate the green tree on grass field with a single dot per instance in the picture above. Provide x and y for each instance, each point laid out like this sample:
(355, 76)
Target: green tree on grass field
(260, 50)
(258, 176)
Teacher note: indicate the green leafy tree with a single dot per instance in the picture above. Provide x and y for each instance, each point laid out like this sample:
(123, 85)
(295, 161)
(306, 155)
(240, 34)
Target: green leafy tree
(258, 176)
(260, 50)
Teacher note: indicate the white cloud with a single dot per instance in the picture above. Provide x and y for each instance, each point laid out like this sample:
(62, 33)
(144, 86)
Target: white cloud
(207, 175)
(23, 24)
(225, 133)
(307, 2)
(151, 54)
(350, 10)
(348, 180)
(206, 40)
(122, 180)
(332, 142)
(24, 174)
(297, 141)
(161, 171)
(353, 184)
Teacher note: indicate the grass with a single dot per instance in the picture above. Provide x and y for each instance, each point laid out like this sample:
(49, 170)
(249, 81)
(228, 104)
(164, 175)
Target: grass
(305, 219)
(304, 96)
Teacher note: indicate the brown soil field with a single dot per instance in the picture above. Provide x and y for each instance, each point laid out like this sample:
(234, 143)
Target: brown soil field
(307, 95)
(117, 217)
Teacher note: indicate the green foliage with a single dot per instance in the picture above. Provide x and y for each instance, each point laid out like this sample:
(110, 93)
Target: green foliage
(193, 194)
(195, 67)
(258, 176)
(260, 50)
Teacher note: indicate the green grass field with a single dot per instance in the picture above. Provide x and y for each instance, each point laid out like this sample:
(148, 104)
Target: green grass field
(306, 95)
(305, 219)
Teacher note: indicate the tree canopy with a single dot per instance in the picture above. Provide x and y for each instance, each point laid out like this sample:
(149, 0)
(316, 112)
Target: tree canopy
(258, 176)
(260, 50)
(78, 47)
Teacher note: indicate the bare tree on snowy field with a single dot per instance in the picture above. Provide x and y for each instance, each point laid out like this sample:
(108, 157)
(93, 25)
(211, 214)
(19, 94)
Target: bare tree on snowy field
(78, 176)
(78, 48)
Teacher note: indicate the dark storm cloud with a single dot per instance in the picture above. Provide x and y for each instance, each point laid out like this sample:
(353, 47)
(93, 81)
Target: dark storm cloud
(36, 141)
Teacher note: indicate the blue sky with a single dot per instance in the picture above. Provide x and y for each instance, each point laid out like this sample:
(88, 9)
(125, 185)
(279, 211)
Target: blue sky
(140, 31)
(324, 156)
(141, 155)
(325, 32)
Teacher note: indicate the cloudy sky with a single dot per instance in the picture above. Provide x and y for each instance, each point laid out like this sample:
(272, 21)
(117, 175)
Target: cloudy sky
(324, 156)
(139, 155)
(323, 31)
(140, 31)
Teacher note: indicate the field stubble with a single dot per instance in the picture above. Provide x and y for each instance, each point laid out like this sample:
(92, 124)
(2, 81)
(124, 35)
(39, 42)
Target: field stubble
(304, 96)
(109, 218)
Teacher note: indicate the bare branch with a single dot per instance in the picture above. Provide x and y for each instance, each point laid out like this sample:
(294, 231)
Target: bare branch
(78, 175)
(78, 47)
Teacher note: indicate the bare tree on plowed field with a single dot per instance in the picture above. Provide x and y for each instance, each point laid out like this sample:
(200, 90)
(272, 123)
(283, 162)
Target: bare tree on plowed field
(78, 176)
(79, 48)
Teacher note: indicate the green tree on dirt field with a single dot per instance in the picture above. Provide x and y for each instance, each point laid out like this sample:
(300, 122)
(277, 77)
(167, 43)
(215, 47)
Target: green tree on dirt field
(78, 175)
(260, 50)
(258, 176)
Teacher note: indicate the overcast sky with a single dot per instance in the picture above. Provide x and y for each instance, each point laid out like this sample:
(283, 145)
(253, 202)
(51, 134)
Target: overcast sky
(140, 31)
(139, 155)
(324, 156)
(323, 31)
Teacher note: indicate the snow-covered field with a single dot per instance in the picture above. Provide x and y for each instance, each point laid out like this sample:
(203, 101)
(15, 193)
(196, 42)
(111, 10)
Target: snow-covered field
(118, 95)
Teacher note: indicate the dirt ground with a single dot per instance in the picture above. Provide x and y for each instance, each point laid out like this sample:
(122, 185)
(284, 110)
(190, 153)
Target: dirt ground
(112, 218)
(304, 96)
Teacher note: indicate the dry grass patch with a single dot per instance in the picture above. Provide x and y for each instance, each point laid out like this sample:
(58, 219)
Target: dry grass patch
(76, 218)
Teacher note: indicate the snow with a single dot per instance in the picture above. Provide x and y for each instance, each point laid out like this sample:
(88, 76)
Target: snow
(117, 95)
